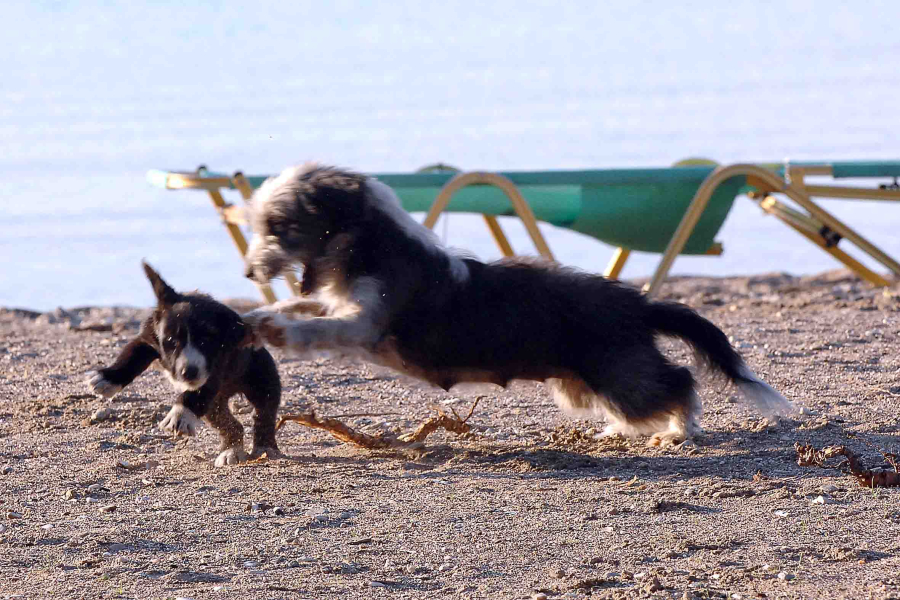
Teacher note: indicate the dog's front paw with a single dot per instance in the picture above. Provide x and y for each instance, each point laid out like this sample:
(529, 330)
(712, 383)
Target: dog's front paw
(231, 456)
(180, 421)
(269, 327)
(102, 386)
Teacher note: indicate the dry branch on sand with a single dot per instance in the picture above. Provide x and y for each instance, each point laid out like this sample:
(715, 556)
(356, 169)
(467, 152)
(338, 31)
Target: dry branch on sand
(807, 455)
(345, 433)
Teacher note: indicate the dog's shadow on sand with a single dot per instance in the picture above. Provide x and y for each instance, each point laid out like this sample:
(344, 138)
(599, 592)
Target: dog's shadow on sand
(716, 456)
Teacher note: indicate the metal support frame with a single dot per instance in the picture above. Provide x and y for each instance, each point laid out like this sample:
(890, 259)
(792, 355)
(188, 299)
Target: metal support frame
(617, 263)
(520, 206)
(812, 230)
(812, 222)
(237, 236)
(767, 181)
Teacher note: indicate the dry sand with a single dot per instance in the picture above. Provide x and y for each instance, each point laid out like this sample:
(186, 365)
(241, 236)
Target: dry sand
(529, 505)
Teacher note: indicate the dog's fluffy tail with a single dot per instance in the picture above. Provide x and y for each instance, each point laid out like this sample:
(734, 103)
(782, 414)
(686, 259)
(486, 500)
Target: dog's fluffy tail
(712, 348)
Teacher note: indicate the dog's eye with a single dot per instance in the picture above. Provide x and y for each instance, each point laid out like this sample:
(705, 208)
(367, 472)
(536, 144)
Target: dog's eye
(169, 342)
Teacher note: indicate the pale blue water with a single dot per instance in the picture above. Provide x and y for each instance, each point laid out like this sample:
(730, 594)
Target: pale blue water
(92, 94)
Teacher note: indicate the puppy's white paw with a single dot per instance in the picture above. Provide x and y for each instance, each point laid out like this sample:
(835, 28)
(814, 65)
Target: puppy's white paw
(180, 421)
(232, 456)
(102, 386)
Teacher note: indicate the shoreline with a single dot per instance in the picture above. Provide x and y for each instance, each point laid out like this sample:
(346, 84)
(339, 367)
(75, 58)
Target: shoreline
(671, 288)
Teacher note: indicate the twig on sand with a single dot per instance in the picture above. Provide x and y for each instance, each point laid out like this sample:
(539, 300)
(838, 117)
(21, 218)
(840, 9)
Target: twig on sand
(807, 455)
(453, 423)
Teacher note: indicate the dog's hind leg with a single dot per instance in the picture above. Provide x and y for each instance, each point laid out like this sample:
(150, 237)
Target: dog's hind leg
(132, 361)
(262, 387)
(642, 393)
(231, 433)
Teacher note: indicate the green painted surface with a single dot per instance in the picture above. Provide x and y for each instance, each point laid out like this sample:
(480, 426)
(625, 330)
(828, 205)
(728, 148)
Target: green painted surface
(866, 169)
(644, 216)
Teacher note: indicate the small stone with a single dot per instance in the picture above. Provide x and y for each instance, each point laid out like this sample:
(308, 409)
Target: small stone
(101, 414)
(819, 500)
(830, 488)
(445, 567)
(6, 470)
(47, 527)
(94, 488)
(653, 586)
(11, 514)
(377, 584)
(293, 564)
(250, 564)
(539, 596)
(108, 508)
(3, 528)
(71, 494)
(784, 576)
(556, 573)
(278, 511)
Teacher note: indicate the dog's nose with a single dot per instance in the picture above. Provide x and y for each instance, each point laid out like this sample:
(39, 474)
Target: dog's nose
(189, 373)
(248, 272)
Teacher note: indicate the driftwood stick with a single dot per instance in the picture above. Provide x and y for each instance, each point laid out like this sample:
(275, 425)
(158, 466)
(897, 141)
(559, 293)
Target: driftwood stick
(375, 442)
(807, 455)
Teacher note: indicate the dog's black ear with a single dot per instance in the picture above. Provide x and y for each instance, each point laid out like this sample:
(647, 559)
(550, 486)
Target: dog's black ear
(165, 295)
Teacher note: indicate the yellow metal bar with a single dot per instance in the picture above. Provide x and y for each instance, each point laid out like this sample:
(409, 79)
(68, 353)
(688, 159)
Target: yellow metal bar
(178, 181)
(772, 206)
(615, 266)
(801, 226)
(521, 207)
(237, 236)
(769, 181)
(499, 236)
(843, 230)
(243, 186)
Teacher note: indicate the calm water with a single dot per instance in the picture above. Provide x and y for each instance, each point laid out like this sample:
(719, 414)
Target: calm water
(95, 93)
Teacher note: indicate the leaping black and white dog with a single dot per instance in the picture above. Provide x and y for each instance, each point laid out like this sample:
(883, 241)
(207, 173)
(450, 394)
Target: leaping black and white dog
(377, 284)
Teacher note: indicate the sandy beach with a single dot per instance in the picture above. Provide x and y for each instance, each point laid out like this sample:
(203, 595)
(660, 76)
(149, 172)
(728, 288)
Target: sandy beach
(101, 504)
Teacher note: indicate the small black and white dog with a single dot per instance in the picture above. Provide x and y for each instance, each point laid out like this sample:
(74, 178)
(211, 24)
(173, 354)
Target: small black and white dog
(208, 354)
(377, 284)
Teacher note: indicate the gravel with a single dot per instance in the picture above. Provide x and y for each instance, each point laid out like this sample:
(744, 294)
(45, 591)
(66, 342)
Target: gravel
(542, 510)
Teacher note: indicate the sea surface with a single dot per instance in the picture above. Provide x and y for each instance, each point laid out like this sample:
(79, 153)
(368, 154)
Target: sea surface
(95, 93)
